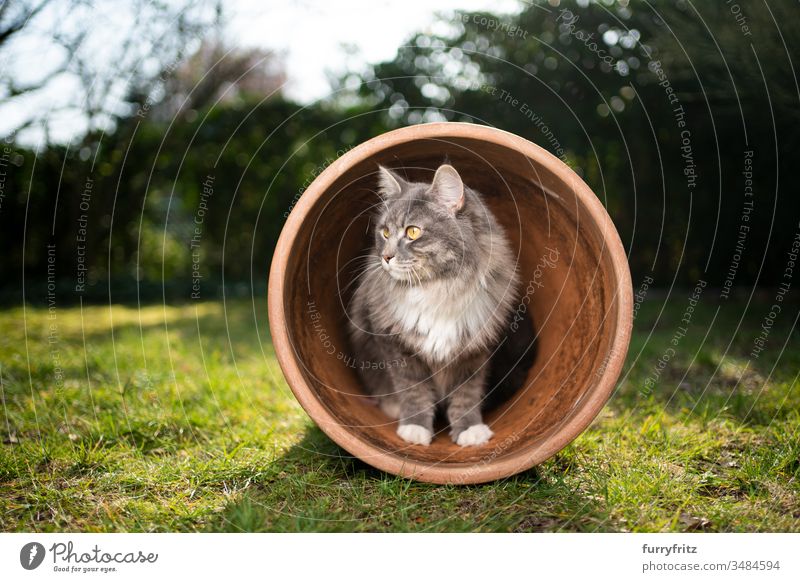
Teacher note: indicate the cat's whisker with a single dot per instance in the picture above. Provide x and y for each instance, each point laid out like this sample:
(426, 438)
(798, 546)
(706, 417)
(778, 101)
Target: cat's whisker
(416, 275)
(365, 258)
(366, 269)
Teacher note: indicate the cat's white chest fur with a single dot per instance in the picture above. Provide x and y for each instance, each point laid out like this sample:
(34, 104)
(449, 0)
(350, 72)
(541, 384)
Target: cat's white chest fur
(448, 320)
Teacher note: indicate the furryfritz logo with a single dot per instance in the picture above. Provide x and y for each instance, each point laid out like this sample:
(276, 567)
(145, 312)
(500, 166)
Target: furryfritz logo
(31, 555)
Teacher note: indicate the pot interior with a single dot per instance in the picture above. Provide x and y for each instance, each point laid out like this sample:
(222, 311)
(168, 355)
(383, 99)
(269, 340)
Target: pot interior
(565, 267)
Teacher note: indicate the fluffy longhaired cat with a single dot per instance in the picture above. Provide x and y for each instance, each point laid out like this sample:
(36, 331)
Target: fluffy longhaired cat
(431, 305)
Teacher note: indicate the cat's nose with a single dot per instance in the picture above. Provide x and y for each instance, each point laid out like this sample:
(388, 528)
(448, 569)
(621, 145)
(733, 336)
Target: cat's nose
(388, 258)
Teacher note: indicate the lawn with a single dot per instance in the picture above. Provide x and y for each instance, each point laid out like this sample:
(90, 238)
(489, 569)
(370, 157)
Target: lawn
(177, 418)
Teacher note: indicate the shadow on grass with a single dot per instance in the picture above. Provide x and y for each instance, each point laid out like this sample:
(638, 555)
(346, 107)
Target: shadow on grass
(712, 390)
(317, 486)
(712, 372)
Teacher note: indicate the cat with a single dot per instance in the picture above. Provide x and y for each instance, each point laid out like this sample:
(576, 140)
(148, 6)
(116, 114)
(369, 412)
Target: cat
(431, 304)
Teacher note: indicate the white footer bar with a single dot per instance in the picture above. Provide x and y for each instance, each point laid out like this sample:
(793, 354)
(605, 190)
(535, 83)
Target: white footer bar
(401, 557)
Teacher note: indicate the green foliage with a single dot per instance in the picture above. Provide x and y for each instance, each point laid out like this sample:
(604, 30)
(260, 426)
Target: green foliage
(147, 208)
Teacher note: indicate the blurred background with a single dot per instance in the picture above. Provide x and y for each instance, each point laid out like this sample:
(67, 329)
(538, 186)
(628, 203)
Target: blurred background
(682, 116)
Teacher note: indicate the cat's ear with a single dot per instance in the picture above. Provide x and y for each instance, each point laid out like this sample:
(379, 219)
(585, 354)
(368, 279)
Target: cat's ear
(447, 188)
(389, 183)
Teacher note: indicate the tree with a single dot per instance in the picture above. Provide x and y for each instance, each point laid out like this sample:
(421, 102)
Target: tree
(67, 65)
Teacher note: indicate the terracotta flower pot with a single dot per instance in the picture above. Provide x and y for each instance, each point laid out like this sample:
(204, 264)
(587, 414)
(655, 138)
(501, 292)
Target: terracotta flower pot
(576, 289)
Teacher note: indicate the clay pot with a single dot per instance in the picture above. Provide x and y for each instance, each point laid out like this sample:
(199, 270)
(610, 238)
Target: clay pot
(577, 290)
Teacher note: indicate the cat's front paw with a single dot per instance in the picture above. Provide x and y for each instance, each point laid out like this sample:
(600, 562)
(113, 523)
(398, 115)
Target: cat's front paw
(477, 434)
(415, 434)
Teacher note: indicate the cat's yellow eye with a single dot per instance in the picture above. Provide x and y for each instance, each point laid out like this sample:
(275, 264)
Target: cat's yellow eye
(385, 232)
(413, 232)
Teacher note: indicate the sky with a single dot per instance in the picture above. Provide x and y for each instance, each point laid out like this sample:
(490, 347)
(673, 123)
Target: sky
(312, 34)
(314, 38)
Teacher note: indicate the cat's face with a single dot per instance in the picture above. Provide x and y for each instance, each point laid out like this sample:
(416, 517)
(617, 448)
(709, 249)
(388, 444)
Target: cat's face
(421, 233)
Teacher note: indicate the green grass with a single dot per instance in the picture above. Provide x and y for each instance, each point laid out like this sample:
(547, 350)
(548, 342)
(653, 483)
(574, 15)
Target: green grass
(178, 419)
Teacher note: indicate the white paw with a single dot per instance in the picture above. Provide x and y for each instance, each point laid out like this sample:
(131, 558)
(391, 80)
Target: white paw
(477, 434)
(415, 434)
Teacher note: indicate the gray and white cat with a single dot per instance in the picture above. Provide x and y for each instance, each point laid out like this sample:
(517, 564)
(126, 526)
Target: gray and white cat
(431, 305)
